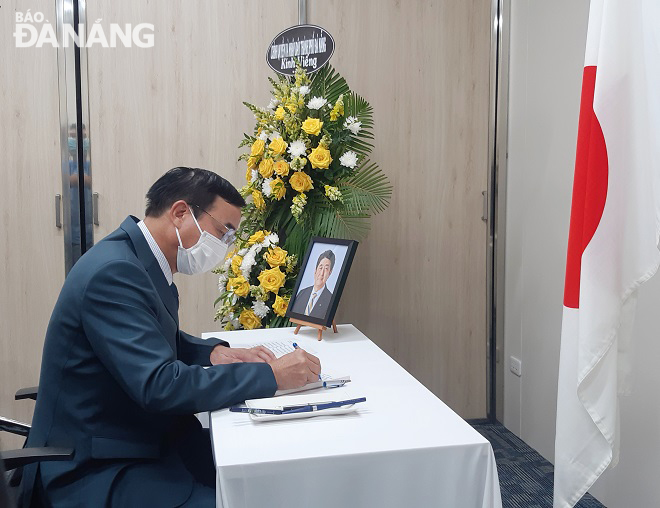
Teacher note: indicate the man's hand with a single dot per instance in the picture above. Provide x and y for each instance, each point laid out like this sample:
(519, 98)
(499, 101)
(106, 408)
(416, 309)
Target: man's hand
(224, 355)
(296, 369)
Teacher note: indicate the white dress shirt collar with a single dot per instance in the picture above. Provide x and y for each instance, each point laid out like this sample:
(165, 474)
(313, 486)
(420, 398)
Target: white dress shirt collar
(158, 254)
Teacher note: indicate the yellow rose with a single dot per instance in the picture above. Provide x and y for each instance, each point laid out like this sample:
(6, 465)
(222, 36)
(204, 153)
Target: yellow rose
(266, 168)
(239, 286)
(248, 174)
(301, 181)
(236, 264)
(279, 113)
(312, 126)
(276, 257)
(249, 319)
(278, 146)
(320, 158)
(252, 162)
(281, 167)
(258, 237)
(258, 200)
(272, 280)
(278, 188)
(280, 305)
(258, 147)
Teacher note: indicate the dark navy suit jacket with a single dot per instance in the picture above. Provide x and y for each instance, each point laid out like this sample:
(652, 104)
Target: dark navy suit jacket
(118, 377)
(320, 305)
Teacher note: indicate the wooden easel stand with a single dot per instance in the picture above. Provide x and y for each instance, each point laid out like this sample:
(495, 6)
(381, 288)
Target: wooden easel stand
(320, 328)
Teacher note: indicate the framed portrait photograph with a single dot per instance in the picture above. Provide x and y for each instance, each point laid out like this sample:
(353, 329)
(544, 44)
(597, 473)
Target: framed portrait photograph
(321, 280)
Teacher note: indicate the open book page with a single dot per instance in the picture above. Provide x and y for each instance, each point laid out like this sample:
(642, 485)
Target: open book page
(283, 347)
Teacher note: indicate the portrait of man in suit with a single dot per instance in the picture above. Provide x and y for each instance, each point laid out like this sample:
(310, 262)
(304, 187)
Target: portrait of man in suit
(314, 300)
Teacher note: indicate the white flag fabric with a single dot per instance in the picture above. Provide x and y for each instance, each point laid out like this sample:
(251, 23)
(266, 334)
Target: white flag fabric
(613, 238)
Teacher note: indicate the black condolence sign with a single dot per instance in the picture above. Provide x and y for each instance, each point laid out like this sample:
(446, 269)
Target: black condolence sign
(310, 45)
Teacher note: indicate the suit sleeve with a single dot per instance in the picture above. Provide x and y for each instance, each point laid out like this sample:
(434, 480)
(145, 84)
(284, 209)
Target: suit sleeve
(120, 320)
(195, 351)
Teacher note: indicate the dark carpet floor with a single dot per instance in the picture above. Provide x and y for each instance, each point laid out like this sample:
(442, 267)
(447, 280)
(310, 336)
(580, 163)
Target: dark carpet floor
(526, 478)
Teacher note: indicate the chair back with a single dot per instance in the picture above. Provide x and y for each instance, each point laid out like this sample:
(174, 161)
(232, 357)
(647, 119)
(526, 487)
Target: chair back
(6, 493)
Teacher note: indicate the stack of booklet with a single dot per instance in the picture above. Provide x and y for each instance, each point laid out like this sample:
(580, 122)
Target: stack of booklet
(325, 403)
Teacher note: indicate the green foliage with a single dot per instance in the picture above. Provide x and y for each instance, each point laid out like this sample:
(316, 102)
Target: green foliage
(327, 83)
(367, 189)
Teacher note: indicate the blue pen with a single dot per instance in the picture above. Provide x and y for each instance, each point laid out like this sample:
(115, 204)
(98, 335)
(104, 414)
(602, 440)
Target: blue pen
(295, 346)
(319, 407)
(287, 410)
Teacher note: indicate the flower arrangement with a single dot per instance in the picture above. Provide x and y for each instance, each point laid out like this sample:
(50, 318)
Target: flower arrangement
(308, 174)
(255, 283)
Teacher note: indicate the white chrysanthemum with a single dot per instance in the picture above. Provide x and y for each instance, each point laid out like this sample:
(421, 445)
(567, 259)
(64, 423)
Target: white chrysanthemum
(260, 308)
(316, 103)
(349, 159)
(274, 135)
(297, 148)
(271, 240)
(265, 187)
(303, 90)
(247, 264)
(263, 136)
(254, 175)
(353, 125)
(222, 283)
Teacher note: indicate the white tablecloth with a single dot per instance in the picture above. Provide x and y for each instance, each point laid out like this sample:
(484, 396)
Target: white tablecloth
(402, 448)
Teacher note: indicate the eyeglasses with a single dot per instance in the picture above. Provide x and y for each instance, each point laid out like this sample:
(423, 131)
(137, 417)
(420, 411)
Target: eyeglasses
(230, 234)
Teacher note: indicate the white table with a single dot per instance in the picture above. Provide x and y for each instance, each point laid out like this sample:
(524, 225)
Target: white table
(402, 448)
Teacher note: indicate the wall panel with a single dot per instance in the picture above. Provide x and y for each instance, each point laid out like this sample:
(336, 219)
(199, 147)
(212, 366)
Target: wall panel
(418, 286)
(31, 247)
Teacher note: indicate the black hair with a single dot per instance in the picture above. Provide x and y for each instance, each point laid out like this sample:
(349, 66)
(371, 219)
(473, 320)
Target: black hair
(195, 186)
(329, 255)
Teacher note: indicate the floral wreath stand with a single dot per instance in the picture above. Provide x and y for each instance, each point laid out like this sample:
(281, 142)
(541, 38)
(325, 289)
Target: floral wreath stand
(320, 328)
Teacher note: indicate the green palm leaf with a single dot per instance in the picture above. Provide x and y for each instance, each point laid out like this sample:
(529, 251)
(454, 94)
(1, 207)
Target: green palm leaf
(357, 106)
(336, 221)
(297, 239)
(368, 189)
(328, 83)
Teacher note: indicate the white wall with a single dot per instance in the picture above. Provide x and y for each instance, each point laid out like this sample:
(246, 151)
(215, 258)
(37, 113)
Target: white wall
(547, 51)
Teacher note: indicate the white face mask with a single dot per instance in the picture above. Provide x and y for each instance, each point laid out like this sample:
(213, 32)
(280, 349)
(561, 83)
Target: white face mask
(202, 257)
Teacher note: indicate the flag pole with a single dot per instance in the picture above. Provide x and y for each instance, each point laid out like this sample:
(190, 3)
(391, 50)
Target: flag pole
(302, 12)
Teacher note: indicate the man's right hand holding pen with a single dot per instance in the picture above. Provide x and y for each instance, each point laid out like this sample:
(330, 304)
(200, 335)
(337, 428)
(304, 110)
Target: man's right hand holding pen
(296, 369)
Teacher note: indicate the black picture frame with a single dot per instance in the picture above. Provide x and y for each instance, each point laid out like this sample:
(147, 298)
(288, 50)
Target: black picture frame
(297, 305)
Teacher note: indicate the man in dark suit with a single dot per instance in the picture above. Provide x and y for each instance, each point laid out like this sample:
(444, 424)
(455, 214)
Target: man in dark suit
(120, 382)
(315, 300)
